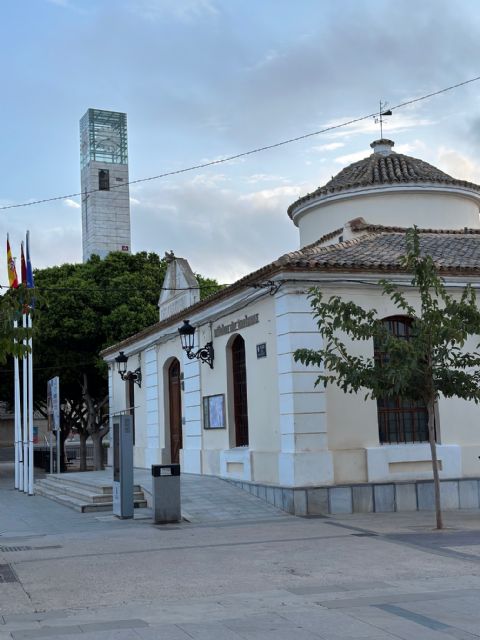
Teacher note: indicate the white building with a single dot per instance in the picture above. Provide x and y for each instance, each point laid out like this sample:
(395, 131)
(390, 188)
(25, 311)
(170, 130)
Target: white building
(256, 417)
(104, 179)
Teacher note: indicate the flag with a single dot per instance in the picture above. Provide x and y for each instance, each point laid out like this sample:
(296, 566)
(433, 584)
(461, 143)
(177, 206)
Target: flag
(12, 271)
(30, 280)
(23, 267)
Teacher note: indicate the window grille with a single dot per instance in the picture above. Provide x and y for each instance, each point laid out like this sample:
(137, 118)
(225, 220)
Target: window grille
(400, 420)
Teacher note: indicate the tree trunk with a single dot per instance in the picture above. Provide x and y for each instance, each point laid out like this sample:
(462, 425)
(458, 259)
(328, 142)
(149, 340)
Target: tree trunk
(97, 439)
(433, 449)
(83, 451)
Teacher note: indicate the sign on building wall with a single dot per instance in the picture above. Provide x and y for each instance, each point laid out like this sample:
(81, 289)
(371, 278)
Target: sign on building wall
(235, 325)
(214, 412)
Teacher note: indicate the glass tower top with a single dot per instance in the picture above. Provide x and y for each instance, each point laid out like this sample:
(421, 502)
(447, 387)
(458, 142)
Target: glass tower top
(103, 137)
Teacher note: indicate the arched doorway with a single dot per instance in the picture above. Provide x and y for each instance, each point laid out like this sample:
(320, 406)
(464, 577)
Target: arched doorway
(175, 411)
(239, 379)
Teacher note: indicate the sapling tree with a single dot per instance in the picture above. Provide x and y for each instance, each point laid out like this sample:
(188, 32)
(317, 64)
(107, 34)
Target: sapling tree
(432, 362)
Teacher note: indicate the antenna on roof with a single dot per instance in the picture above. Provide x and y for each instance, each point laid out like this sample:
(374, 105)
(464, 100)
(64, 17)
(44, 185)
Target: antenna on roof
(383, 111)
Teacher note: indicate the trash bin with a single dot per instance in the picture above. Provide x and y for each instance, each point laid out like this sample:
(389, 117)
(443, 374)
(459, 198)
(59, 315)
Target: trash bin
(166, 493)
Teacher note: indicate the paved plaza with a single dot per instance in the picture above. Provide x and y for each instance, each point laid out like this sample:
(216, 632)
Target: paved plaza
(239, 569)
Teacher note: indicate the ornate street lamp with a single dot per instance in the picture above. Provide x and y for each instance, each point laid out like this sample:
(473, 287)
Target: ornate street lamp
(136, 375)
(187, 336)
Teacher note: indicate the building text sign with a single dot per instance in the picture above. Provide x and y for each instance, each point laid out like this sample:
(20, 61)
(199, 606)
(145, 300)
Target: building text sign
(235, 325)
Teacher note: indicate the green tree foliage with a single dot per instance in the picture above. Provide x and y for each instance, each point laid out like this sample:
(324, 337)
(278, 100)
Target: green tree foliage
(12, 339)
(432, 363)
(80, 310)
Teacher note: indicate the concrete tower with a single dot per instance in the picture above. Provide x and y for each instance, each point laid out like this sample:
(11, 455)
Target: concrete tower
(105, 192)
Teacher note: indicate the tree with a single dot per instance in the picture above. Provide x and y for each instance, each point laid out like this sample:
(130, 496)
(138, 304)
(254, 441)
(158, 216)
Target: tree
(81, 309)
(430, 364)
(12, 339)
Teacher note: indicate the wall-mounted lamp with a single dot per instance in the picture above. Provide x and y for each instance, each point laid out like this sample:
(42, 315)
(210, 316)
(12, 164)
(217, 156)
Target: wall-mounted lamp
(136, 375)
(187, 335)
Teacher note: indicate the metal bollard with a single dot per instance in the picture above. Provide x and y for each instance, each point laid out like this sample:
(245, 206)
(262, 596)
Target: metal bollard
(166, 493)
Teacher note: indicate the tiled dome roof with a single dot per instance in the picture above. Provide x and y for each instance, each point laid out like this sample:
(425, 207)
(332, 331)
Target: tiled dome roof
(383, 167)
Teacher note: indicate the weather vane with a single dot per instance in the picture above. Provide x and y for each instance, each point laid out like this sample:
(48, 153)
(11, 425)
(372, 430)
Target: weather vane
(383, 111)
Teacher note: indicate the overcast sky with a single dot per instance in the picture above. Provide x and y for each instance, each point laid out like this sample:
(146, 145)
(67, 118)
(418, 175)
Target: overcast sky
(204, 79)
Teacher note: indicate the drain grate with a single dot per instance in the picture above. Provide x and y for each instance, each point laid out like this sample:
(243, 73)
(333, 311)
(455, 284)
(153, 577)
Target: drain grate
(365, 535)
(7, 574)
(26, 548)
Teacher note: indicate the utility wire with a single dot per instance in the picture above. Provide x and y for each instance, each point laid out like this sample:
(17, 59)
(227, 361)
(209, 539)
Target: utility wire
(246, 153)
(120, 289)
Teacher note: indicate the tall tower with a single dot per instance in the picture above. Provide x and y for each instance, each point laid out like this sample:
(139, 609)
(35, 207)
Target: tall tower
(105, 192)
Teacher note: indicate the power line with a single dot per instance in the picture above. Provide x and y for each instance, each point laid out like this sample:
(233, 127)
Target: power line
(245, 153)
(206, 287)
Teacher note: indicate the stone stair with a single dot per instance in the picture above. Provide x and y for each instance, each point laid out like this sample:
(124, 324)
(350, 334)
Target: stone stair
(82, 495)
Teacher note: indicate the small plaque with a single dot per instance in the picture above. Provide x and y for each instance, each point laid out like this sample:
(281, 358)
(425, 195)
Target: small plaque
(262, 350)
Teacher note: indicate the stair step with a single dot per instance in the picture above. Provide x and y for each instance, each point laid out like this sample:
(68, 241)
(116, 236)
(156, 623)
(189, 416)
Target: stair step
(81, 505)
(82, 495)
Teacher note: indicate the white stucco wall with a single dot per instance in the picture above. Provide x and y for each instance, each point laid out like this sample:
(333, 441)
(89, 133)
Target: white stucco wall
(433, 208)
(299, 434)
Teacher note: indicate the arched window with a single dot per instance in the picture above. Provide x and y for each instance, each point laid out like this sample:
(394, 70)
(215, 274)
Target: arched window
(400, 420)
(239, 376)
(175, 411)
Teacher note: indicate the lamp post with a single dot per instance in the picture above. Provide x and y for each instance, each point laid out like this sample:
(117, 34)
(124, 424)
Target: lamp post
(187, 337)
(135, 376)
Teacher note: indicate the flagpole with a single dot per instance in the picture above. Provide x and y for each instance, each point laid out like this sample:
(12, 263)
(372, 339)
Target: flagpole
(15, 396)
(30, 285)
(30, 409)
(25, 412)
(13, 284)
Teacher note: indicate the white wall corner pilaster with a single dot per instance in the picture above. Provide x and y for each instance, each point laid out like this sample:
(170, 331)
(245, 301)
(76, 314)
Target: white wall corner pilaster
(110, 417)
(191, 454)
(151, 382)
(304, 458)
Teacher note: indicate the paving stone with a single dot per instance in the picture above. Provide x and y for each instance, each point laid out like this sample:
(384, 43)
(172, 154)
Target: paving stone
(270, 495)
(406, 497)
(384, 495)
(317, 501)
(262, 492)
(468, 494)
(449, 498)
(362, 499)
(340, 499)
(425, 493)
(300, 502)
(287, 501)
(278, 497)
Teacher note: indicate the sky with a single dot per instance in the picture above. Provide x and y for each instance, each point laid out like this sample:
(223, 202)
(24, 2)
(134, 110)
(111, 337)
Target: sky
(205, 79)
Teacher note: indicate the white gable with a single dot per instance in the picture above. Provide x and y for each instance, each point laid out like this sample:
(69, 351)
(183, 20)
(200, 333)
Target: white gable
(180, 287)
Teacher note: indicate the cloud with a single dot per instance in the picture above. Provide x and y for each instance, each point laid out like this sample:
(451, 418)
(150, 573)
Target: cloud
(223, 233)
(264, 177)
(183, 10)
(458, 165)
(73, 204)
(329, 146)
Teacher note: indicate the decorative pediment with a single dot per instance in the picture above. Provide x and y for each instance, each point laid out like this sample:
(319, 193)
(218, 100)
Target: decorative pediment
(180, 287)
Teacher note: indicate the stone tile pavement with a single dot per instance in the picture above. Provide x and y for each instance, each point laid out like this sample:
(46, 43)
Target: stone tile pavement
(238, 570)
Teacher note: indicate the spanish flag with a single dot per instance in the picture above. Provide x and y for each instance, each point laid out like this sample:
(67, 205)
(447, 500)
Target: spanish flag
(12, 272)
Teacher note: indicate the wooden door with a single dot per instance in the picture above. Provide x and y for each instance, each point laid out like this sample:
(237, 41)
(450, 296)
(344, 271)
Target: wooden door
(240, 392)
(175, 405)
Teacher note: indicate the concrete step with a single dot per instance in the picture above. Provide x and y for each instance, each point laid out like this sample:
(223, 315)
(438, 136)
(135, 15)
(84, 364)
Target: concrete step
(82, 495)
(75, 491)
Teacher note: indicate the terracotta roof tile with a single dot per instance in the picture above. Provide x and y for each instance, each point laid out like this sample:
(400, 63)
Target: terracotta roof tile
(378, 169)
